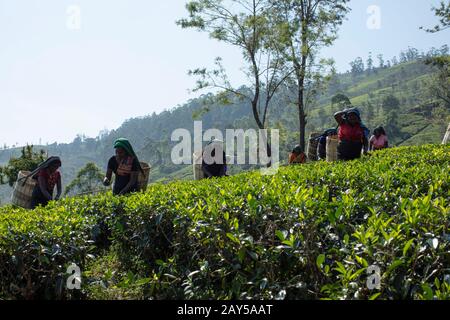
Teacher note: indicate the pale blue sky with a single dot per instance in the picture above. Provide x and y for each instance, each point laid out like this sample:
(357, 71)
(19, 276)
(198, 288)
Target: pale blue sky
(130, 59)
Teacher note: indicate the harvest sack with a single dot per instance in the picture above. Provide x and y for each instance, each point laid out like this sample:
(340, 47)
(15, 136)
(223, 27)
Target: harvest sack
(312, 145)
(197, 166)
(23, 190)
(447, 136)
(143, 176)
(332, 143)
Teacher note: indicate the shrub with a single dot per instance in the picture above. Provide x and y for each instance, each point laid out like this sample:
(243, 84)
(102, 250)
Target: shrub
(308, 232)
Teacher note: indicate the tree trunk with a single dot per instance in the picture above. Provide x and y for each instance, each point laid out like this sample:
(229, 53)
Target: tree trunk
(302, 122)
(261, 126)
(255, 101)
(256, 114)
(301, 103)
(301, 71)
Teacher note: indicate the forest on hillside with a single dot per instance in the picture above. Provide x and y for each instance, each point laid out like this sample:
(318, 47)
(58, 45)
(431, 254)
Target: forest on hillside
(360, 224)
(396, 93)
(249, 236)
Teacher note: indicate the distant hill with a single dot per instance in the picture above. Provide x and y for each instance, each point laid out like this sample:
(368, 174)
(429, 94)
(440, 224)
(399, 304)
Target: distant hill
(414, 122)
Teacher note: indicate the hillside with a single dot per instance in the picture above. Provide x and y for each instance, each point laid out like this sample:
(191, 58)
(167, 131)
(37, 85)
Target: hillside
(307, 232)
(414, 122)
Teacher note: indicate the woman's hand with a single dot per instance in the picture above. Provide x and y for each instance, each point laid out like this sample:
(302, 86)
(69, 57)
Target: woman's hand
(106, 182)
(133, 181)
(108, 177)
(59, 189)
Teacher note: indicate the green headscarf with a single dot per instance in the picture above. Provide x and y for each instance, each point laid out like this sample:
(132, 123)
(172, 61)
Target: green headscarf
(126, 145)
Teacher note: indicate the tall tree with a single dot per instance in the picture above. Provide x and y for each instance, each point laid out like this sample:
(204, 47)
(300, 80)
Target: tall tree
(380, 61)
(243, 24)
(369, 63)
(305, 26)
(390, 103)
(412, 54)
(369, 110)
(341, 101)
(403, 57)
(357, 66)
(439, 83)
(392, 127)
(88, 180)
(394, 61)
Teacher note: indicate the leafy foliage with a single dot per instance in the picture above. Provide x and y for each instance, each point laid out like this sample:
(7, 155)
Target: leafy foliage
(28, 161)
(88, 181)
(341, 101)
(246, 25)
(303, 28)
(439, 83)
(443, 13)
(308, 232)
(421, 118)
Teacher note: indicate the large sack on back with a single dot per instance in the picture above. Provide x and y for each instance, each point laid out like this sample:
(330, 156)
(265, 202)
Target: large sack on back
(312, 145)
(197, 166)
(23, 190)
(143, 176)
(332, 144)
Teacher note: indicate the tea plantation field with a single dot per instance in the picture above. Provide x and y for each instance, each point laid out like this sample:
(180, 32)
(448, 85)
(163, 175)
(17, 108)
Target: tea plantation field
(308, 232)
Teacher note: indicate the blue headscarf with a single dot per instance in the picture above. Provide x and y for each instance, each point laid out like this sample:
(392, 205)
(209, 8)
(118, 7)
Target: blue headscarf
(355, 111)
(358, 114)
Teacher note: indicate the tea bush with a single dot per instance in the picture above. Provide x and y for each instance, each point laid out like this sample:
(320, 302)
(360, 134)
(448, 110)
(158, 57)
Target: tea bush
(308, 232)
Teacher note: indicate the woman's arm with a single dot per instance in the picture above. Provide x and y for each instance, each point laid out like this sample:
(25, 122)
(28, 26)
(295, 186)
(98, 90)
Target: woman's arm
(108, 177)
(58, 188)
(131, 183)
(365, 144)
(43, 186)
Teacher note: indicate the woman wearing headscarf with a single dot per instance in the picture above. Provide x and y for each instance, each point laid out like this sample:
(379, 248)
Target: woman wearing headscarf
(379, 140)
(213, 166)
(352, 135)
(47, 176)
(322, 144)
(125, 166)
(297, 156)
